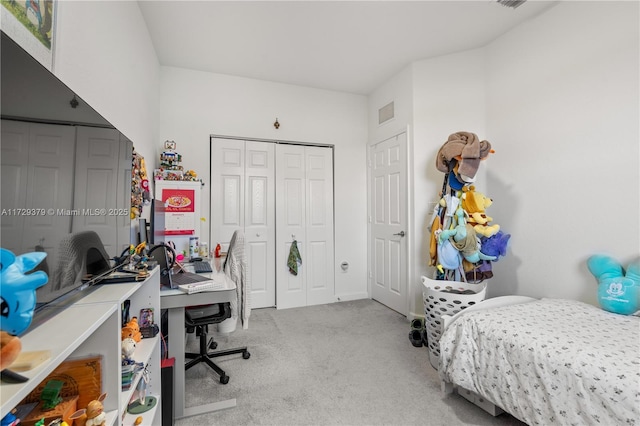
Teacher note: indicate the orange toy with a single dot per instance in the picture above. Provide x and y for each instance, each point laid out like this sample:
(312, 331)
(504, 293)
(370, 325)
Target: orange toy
(10, 347)
(132, 330)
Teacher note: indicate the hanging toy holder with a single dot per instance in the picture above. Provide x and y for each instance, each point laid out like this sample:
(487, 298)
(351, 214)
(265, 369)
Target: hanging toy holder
(463, 239)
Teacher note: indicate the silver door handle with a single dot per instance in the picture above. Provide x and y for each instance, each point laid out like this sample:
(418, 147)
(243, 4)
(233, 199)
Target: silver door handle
(401, 233)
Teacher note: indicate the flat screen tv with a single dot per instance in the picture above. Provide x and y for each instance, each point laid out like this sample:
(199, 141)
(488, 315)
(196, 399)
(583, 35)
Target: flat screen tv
(31, 96)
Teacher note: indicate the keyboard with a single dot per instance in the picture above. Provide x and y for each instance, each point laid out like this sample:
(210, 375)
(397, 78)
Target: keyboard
(203, 286)
(202, 267)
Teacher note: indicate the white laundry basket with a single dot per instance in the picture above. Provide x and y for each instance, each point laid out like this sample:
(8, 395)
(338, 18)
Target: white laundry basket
(438, 302)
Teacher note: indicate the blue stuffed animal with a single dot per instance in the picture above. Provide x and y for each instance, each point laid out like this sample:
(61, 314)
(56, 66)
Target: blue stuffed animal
(616, 292)
(18, 290)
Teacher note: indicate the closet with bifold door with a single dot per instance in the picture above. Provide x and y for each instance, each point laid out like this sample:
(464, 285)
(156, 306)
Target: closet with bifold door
(276, 193)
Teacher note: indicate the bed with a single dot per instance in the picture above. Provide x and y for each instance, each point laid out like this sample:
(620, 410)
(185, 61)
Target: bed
(547, 361)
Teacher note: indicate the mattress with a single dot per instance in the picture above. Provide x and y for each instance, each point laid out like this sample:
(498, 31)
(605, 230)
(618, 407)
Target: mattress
(551, 361)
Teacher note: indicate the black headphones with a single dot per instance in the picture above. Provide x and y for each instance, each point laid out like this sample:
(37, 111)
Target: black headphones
(169, 252)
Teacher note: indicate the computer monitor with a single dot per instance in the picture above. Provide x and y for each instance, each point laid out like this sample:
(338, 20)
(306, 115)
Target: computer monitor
(143, 236)
(156, 231)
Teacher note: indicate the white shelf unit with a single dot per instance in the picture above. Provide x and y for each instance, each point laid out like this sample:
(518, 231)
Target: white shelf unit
(91, 326)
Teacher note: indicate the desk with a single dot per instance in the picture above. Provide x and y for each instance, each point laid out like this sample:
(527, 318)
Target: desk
(175, 301)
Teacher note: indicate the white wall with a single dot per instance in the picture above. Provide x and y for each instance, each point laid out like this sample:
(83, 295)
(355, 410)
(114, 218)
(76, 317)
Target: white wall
(104, 53)
(196, 104)
(448, 97)
(562, 110)
(558, 98)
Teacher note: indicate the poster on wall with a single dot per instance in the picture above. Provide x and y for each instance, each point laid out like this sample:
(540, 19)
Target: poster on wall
(180, 213)
(31, 24)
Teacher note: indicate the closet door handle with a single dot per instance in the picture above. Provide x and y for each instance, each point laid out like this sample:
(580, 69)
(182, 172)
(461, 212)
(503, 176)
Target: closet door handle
(401, 233)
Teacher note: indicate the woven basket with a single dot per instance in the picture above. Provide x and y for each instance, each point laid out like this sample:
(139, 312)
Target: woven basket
(438, 302)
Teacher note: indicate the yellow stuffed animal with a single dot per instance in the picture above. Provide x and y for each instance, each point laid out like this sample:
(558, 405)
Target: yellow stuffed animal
(475, 203)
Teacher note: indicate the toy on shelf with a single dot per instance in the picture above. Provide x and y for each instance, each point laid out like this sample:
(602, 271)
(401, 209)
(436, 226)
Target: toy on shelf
(140, 190)
(132, 330)
(93, 415)
(19, 284)
(464, 241)
(170, 167)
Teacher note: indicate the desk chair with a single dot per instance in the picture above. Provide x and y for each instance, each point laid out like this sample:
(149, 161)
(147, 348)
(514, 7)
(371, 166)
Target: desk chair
(198, 318)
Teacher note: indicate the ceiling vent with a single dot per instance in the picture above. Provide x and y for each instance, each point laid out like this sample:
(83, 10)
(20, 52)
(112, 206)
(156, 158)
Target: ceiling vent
(386, 113)
(511, 3)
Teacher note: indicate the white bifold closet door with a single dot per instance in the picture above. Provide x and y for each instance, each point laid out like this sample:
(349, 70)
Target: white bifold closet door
(242, 197)
(304, 206)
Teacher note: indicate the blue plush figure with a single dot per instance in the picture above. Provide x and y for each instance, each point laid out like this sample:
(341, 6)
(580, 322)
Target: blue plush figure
(17, 290)
(495, 245)
(616, 293)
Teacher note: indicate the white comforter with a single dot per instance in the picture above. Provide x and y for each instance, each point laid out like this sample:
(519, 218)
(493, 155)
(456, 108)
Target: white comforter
(549, 362)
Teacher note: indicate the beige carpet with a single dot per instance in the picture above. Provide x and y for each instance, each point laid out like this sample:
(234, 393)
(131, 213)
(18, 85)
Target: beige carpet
(347, 363)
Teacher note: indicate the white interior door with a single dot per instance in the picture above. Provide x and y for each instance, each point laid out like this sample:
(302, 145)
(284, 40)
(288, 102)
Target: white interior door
(304, 205)
(242, 197)
(388, 222)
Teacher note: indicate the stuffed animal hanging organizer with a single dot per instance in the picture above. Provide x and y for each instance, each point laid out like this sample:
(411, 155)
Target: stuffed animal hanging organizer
(464, 240)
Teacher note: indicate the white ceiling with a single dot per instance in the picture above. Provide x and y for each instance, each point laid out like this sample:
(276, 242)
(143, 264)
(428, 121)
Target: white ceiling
(349, 46)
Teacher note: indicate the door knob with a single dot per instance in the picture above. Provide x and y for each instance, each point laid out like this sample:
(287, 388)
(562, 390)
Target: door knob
(401, 233)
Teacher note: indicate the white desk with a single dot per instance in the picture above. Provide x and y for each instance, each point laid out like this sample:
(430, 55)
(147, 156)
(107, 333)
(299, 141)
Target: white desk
(175, 301)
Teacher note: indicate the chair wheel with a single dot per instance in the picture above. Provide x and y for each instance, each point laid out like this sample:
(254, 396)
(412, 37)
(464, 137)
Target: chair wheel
(213, 345)
(246, 355)
(224, 379)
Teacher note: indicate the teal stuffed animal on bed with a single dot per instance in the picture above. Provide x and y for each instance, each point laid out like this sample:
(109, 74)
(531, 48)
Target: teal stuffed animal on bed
(617, 292)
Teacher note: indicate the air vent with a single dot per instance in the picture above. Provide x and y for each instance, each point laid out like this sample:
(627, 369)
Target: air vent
(386, 113)
(511, 3)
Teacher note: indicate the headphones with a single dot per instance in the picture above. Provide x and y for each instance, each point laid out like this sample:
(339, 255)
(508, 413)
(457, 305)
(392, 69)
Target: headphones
(169, 253)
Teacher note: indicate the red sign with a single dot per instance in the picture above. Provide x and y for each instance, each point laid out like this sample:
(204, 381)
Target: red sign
(180, 211)
(179, 200)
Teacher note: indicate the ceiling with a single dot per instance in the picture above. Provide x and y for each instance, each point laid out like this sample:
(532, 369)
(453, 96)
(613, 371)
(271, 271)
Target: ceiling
(348, 46)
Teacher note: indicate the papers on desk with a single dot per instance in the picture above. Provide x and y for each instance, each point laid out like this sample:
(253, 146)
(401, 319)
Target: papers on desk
(215, 284)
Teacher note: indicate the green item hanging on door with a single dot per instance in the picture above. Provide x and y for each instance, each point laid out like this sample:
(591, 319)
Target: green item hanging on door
(294, 258)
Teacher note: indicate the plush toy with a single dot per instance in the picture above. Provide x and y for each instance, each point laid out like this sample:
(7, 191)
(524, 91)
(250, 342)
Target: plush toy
(10, 347)
(475, 204)
(132, 330)
(19, 289)
(496, 245)
(616, 292)
(128, 348)
(464, 240)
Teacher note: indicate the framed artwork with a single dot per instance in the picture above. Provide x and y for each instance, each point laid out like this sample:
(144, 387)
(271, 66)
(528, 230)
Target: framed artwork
(31, 24)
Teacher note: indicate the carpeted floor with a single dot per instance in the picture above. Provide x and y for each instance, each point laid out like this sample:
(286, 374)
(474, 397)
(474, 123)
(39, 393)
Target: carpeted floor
(347, 363)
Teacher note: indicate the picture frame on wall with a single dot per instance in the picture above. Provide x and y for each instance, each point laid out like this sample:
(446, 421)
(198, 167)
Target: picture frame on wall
(31, 24)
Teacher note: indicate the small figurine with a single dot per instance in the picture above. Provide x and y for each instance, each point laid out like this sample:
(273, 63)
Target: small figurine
(93, 415)
(128, 348)
(50, 395)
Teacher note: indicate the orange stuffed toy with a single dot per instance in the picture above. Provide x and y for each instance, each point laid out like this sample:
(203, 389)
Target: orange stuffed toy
(10, 347)
(132, 330)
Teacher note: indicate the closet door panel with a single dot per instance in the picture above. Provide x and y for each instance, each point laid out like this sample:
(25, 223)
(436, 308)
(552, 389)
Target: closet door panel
(242, 197)
(97, 161)
(319, 231)
(227, 190)
(259, 222)
(50, 177)
(290, 224)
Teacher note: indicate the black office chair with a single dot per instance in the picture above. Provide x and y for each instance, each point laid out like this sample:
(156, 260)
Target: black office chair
(198, 318)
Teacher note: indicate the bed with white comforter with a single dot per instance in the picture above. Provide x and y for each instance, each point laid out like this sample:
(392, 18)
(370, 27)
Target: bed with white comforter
(550, 361)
